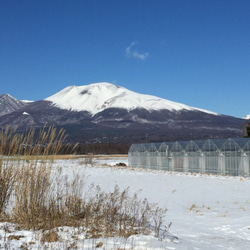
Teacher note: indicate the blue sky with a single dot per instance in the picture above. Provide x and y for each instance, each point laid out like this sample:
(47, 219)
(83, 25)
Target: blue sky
(195, 52)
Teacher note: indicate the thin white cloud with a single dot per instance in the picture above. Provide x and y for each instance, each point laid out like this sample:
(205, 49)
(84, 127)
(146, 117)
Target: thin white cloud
(134, 53)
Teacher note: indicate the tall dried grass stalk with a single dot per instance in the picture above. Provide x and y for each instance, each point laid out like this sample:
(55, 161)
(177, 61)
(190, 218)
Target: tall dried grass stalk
(7, 180)
(47, 142)
(29, 178)
(32, 192)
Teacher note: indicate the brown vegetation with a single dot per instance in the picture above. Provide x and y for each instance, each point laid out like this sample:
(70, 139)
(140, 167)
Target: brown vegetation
(40, 199)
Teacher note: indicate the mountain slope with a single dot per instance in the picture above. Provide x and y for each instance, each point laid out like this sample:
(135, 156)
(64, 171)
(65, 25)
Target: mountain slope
(97, 97)
(9, 104)
(103, 112)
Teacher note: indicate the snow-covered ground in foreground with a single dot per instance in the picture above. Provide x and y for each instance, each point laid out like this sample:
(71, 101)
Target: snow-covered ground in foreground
(207, 212)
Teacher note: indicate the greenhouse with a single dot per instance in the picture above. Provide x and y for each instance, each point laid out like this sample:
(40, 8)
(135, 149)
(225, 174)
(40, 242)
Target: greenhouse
(214, 156)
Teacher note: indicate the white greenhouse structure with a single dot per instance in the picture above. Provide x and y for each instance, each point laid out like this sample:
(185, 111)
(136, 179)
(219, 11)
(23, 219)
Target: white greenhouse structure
(214, 156)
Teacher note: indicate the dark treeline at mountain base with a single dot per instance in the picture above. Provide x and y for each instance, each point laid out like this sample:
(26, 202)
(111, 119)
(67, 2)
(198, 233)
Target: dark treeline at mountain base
(80, 149)
(95, 148)
(103, 148)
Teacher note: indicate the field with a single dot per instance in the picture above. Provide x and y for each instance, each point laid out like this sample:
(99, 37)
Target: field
(203, 211)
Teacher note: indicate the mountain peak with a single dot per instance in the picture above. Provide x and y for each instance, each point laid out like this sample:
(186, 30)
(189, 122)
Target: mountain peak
(9, 104)
(97, 97)
(6, 96)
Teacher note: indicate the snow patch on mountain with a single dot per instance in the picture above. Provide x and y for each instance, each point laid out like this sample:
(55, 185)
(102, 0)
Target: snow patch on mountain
(97, 97)
(247, 117)
(27, 101)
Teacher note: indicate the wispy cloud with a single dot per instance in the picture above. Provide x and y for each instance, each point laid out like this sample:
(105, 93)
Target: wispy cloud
(134, 53)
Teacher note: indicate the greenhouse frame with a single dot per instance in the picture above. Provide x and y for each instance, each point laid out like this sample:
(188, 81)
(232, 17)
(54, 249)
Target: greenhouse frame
(213, 156)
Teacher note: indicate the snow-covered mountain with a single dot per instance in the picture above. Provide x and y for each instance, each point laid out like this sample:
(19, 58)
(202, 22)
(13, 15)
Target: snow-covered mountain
(97, 97)
(247, 117)
(9, 104)
(104, 112)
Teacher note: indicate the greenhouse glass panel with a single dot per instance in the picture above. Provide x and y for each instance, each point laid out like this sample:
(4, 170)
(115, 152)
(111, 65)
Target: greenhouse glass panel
(232, 156)
(177, 147)
(209, 146)
(163, 156)
(143, 156)
(192, 147)
(152, 156)
(199, 143)
(246, 147)
(241, 141)
(163, 149)
(183, 144)
(133, 148)
(177, 157)
(135, 155)
(177, 161)
(192, 157)
(219, 142)
(210, 153)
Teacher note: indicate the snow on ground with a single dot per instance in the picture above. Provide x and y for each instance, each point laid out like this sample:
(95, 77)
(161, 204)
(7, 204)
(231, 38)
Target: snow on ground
(207, 212)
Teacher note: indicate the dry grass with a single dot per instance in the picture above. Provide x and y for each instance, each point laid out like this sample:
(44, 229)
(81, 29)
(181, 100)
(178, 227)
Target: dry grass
(50, 236)
(43, 200)
(33, 192)
(7, 180)
(116, 213)
(23, 174)
(192, 207)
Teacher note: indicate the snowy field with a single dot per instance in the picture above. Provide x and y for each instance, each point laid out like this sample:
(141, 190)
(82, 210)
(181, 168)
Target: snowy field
(207, 212)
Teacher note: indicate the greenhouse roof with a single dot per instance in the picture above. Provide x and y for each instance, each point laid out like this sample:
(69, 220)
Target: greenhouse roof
(230, 144)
